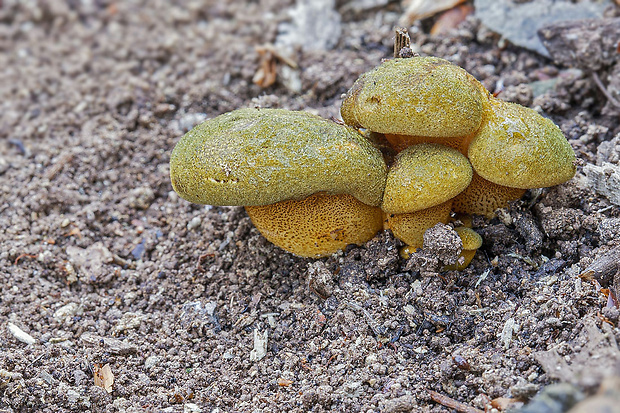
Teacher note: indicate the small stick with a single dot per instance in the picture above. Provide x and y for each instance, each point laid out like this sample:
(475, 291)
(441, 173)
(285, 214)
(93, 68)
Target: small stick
(401, 41)
(603, 89)
(23, 256)
(452, 404)
(53, 170)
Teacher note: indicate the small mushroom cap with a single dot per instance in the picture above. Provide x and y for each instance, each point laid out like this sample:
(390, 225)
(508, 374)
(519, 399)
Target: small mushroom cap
(471, 242)
(471, 239)
(420, 96)
(264, 156)
(423, 176)
(317, 226)
(518, 148)
(410, 228)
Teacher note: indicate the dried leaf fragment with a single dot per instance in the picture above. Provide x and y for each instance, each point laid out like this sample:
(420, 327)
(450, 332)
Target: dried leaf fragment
(451, 19)
(504, 403)
(103, 376)
(421, 9)
(284, 382)
(266, 74)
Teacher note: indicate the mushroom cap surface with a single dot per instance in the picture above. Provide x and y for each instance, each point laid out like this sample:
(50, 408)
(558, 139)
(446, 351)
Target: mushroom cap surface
(471, 239)
(264, 156)
(519, 148)
(317, 226)
(420, 96)
(423, 176)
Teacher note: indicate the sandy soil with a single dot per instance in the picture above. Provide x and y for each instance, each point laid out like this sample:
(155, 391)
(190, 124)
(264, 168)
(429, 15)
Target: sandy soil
(102, 264)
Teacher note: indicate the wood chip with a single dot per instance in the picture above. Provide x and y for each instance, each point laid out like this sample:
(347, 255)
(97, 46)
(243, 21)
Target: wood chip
(260, 345)
(452, 404)
(603, 268)
(103, 376)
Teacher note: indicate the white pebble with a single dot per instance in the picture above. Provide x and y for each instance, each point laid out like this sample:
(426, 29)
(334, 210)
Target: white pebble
(20, 334)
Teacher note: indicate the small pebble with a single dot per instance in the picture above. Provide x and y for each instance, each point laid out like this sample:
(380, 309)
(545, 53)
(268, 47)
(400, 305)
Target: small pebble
(194, 223)
(20, 334)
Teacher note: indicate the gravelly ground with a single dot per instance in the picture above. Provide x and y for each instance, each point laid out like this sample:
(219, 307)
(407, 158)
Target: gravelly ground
(101, 263)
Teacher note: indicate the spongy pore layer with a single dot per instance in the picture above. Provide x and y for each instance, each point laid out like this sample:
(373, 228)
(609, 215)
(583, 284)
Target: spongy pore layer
(318, 225)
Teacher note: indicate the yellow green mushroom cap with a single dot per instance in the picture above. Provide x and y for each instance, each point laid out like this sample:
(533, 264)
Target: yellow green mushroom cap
(471, 239)
(519, 148)
(420, 96)
(256, 157)
(423, 176)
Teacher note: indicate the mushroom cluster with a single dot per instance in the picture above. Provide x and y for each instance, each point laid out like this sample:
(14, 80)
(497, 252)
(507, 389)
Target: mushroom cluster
(312, 186)
(476, 152)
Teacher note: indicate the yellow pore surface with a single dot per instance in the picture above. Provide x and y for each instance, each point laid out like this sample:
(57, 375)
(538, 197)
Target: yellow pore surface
(483, 197)
(410, 228)
(402, 142)
(317, 226)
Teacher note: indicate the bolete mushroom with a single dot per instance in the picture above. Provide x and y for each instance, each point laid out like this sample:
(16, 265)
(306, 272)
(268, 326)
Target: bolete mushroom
(471, 242)
(516, 149)
(415, 100)
(429, 100)
(483, 197)
(311, 186)
(420, 187)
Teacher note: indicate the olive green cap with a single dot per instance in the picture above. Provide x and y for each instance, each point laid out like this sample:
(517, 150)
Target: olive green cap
(423, 176)
(519, 148)
(256, 157)
(419, 96)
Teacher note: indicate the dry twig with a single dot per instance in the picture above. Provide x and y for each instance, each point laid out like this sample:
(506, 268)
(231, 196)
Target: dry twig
(603, 89)
(452, 404)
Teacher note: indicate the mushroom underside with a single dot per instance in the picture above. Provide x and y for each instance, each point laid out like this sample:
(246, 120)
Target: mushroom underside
(317, 226)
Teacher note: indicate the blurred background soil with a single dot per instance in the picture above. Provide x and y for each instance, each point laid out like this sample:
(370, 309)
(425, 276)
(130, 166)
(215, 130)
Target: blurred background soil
(105, 272)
